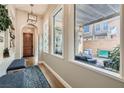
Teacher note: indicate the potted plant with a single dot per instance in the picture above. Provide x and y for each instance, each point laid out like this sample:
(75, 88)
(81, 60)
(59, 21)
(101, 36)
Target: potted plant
(6, 52)
(114, 57)
(5, 24)
(5, 21)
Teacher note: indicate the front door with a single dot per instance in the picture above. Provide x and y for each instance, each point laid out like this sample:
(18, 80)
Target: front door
(27, 44)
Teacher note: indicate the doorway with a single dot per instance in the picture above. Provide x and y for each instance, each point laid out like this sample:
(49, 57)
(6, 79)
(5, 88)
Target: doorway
(27, 44)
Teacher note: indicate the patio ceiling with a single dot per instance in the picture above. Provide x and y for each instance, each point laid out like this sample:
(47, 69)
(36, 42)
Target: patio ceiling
(91, 13)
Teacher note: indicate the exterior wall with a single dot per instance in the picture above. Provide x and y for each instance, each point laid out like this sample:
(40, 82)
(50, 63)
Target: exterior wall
(107, 43)
(104, 44)
(74, 75)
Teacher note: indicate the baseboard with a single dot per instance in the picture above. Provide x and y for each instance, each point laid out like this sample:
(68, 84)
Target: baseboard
(63, 82)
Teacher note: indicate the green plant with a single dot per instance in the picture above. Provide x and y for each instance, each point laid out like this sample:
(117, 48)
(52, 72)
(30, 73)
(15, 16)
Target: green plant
(115, 57)
(5, 21)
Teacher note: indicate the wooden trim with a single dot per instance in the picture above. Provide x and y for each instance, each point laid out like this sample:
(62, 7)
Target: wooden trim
(56, 81)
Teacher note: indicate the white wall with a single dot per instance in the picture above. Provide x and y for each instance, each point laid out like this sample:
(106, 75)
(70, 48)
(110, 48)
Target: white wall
(21, 22)
(5, 62)
(74, 75)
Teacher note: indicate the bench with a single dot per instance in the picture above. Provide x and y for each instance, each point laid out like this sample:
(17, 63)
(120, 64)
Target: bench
(16, 65)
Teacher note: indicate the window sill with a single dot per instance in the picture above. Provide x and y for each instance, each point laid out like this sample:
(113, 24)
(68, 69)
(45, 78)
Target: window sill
(46, 52)
(110, 74)
(57, 56)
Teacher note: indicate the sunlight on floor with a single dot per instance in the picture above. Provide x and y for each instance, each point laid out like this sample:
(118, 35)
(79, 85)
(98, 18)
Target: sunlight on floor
(30, 61)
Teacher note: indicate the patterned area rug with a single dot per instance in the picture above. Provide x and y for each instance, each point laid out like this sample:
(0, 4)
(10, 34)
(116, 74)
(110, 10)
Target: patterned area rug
(31, 77)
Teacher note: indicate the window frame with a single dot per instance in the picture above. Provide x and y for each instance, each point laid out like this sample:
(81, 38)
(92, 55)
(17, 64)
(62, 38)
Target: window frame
(118, 76)
(44, 31)
(54, 13)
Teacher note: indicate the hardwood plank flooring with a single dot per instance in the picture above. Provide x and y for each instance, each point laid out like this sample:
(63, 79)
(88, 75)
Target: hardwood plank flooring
(53, 81)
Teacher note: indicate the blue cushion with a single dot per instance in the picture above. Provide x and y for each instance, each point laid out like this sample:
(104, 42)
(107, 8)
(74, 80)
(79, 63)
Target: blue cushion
(17, 64)
(92, 61)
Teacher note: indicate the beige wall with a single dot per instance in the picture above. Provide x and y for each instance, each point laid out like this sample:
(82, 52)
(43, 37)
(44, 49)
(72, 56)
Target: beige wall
(75, 75)
(104, 44)
(107, 43)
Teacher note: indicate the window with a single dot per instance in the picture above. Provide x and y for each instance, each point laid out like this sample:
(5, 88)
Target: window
(105, 25)
(58, 32)
(46, 37)
(103, 50)
(97, 27)
(86, 29)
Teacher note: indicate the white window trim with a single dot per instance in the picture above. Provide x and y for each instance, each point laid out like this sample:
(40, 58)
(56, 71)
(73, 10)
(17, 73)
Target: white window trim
(46, 22)
(58, 8)
(117, 76)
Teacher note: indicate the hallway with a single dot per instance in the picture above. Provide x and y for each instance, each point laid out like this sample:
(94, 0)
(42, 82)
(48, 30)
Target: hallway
(62, 45)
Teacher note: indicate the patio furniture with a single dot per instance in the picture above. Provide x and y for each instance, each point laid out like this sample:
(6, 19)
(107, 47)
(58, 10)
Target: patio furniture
(92, 61)
(87, 56)
(103, 53)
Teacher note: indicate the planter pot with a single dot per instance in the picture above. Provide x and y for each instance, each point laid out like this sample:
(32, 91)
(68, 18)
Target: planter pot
(6, 52)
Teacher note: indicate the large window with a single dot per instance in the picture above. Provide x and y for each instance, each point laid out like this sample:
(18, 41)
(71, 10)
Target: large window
(46, 37)
(97, 35)
(58, 32)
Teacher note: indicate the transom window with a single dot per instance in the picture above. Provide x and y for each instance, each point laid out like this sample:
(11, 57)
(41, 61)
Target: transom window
(58, 32)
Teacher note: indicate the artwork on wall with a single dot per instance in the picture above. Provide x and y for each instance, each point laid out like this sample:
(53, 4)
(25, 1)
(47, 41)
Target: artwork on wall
(1, 39)
(12, 39)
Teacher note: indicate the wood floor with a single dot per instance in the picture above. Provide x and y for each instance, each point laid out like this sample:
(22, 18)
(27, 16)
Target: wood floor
(53, 81)
(29, 61)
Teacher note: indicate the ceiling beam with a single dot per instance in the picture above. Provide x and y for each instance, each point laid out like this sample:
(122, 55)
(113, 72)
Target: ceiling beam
(103, 18)
(83, 13)
(99, 13)
(116, 11)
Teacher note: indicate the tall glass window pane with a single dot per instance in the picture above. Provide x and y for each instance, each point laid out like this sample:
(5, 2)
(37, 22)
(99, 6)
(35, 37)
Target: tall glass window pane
(46, 37)
(97, 35)
(58, 32)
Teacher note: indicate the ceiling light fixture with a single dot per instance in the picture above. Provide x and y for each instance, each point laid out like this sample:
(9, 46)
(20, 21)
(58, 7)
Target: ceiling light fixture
(32, 18)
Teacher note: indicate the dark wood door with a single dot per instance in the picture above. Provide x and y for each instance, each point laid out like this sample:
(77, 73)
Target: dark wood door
(27, 44)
